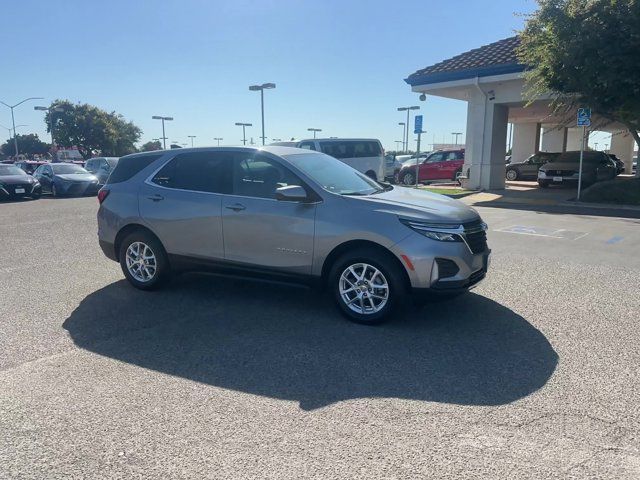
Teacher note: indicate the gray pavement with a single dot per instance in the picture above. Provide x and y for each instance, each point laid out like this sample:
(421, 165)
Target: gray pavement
(533, 375)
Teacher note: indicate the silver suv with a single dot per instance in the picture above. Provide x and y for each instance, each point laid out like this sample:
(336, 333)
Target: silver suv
(291, 215)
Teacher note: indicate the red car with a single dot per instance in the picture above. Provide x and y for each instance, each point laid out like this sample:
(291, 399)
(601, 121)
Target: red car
(440, 165)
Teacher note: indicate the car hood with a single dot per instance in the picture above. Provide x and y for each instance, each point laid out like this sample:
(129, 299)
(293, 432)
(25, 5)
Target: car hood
(422, 205)
(77, 177)
(16, 179)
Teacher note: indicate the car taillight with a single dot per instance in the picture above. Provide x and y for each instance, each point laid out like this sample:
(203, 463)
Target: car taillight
(102, 194)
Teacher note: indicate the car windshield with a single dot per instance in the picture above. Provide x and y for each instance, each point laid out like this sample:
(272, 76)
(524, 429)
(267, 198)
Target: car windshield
(333, 175)
(11, 170)
(67, 168)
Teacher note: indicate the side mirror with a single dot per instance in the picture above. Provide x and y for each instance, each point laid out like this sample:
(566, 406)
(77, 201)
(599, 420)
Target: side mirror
(291, 193)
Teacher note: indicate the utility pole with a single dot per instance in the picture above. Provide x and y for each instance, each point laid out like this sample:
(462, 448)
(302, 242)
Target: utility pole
(244, 136)
(13, 120)
(164, 136)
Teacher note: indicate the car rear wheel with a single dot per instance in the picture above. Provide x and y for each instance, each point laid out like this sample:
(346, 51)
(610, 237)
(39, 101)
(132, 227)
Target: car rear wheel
(143, 260)
(408, 179)
(512, 174)
(367, 286)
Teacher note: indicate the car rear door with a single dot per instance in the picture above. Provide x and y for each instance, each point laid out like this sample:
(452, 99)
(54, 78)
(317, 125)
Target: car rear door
(260, 231)
(182, 203)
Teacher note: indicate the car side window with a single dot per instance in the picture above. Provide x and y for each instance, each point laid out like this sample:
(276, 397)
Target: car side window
(200, 172)
(307, 145)
(451, 156)
(436, 157)
(259, 176)
(48, 171)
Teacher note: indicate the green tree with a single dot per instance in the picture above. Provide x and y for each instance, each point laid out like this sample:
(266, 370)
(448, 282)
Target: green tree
(150, 146)
(586, 53)
(93, 130)
(28, 144)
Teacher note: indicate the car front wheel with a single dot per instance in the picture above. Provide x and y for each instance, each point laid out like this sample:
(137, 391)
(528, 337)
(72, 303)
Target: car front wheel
(512, 174)
(366, 286)
(408, 179)
(143, 260)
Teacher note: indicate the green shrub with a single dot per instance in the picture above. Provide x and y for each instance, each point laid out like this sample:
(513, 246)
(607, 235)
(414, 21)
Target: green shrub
(624, 191)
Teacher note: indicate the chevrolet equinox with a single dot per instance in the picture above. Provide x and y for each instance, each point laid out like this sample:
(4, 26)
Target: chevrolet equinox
(288, 214)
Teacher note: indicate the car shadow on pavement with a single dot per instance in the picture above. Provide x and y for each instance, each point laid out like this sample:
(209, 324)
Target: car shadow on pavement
(290, 343)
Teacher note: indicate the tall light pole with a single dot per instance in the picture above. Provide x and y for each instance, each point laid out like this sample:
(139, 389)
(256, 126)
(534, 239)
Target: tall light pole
(262, 88)
(13, 120)
(244, 135)
(217, 139)
(191, 137)
(404, 126)
(456, 134)
(314, 130)
(51, 111)
(164, 136)
(408, 109)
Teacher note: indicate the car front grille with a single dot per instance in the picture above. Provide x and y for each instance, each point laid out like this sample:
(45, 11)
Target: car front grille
(476, 236)
(26, 187)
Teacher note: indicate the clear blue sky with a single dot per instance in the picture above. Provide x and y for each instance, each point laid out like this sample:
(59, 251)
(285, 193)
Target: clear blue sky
(338, 65)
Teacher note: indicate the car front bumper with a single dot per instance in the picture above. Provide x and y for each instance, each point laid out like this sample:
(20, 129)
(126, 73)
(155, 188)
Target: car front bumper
(421, 258)
(77, 188)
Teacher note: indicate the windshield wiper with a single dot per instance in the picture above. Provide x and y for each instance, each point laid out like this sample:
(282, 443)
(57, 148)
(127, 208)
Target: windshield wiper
(354, 194)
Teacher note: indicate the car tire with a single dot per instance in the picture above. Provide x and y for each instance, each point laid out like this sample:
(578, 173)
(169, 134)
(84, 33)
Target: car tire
(371, 274)
(54, 190)
(408, 179)
(396, 177)
(36, 195)
(153, 269)
(512, 174)
(543, 183)
(456, 174)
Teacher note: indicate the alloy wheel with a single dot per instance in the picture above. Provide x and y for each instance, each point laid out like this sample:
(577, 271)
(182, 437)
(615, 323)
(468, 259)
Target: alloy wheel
(364, 288)
(408, 179)
(141, 262)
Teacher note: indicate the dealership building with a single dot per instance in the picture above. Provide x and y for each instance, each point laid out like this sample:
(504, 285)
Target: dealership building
(491, 80)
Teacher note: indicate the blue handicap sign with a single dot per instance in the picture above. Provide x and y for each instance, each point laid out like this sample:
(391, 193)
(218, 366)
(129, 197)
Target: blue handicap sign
(418, 124)
(584, 117)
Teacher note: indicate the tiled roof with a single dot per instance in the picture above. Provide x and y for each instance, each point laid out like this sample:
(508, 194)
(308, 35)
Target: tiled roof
(497, 57)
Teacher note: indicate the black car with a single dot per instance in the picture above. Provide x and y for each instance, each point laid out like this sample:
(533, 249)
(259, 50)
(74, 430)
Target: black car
(596, 166)
(66, 179)
(619, 163)
(528, 170)
(15, 183)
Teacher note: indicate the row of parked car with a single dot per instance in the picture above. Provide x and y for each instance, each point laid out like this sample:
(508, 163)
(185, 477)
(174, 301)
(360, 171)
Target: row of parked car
(553, 168)
(30, 179)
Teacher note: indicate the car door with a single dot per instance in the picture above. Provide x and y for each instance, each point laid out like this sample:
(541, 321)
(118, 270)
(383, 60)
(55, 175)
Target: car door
(449, 166)
(44, 174)
(260, 231)
(429, 169)
(606, 169)
(181, 203)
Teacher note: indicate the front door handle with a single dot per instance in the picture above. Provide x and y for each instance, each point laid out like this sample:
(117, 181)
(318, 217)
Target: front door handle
(155, 198)
(236, 207)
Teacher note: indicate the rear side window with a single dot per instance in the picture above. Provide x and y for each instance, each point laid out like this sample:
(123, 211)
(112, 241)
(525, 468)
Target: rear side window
(355, 149)
(129, 166)
(199, 172)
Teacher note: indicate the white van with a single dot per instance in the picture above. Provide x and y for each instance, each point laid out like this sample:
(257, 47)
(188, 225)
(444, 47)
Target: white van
(364, 154)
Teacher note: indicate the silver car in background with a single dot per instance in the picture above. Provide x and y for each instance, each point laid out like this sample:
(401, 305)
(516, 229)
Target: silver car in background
(291, 215)
(101, 167)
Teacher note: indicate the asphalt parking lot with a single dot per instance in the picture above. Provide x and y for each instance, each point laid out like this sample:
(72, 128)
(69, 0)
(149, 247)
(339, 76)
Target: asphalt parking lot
(533, 375)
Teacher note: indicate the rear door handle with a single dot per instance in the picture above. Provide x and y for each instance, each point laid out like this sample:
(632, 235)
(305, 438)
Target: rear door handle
(155, 198)
(236, 207)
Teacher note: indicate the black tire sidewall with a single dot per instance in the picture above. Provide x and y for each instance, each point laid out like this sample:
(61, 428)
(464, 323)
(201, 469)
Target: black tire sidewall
(389, 270)
(514, 171)
(404, 177)
(162, 264)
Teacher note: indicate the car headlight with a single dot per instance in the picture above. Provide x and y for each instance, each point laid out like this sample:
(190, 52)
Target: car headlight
(440, 232)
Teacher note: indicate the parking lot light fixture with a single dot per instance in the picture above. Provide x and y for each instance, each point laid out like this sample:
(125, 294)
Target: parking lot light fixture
(314, 130)
(261, 89)
(13, 120)
(217, 139)
(456, 134)
(164, 135)
(406, 135)
(404, 126)
(191, 137)
(244, 135)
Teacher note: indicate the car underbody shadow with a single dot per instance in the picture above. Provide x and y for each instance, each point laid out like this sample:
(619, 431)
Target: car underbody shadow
(291, 344)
